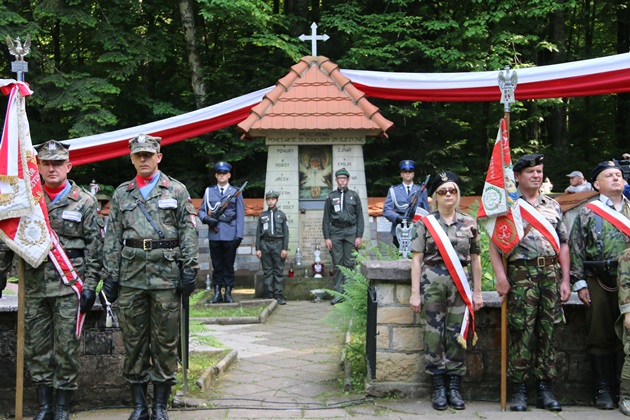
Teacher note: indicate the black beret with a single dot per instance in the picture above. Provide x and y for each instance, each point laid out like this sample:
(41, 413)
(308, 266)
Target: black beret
(441, 178)
(602, 166)
(533, 159)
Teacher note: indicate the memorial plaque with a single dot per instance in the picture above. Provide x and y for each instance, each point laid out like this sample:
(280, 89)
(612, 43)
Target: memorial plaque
(311, 234)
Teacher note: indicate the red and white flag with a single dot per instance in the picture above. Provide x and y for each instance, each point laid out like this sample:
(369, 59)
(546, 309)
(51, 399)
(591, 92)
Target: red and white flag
(499, 211)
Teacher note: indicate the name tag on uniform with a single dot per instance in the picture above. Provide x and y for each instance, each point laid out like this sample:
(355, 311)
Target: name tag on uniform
(265, 226)
(74, 216)
(169, 203)
(336, 204)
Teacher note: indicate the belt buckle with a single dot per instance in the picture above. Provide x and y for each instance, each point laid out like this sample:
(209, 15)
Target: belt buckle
(147, 244)
(540, 261)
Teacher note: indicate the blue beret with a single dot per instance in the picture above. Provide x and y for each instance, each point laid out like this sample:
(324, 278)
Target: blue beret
(533, 159)
(223, 167)
(407, 165)
(441, 178)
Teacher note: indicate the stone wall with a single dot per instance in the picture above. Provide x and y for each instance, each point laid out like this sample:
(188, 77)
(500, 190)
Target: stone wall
(399, 352)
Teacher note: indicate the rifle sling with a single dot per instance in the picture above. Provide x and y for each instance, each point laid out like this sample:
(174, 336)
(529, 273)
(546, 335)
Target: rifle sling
(149, 218)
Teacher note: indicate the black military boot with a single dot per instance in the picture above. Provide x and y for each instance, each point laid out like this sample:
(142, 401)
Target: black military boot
(602, 365)
(140, 406)
(46, 407)
(228, 295)
(545, 398)
(161, 392)
(439, 393)
(62, 410)
(453, 396)
(217, 298)
(519, 397)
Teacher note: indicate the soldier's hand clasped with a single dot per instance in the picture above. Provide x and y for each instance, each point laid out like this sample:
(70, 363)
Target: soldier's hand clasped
(88, 297)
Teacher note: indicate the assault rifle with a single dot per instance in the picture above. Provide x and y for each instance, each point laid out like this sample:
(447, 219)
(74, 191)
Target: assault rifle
(411, 210)
(220, 209)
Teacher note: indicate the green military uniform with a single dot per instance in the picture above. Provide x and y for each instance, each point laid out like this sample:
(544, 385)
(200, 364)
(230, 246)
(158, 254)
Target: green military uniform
(623, 281)
(442, 304)
(272, 237)
(534, 298)
(342, 224)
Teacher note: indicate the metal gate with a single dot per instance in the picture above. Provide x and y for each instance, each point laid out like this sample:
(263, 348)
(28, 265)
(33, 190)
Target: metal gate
(370, 336)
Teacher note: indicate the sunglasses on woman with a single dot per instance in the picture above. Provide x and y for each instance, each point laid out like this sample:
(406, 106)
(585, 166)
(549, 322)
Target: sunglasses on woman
(444, 191)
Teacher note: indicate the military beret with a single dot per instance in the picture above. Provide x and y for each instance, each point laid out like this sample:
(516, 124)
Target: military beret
(222, 167)
(602, 166)
(342, 172)
(272, 194)
(145, 143)
(407, 165)
(441, 178)
(533, 159)
(52, 150)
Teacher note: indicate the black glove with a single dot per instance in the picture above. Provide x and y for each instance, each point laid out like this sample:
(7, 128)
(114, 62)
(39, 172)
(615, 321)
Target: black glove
(3, 284)
(399, 220)
(187, 284)
(87, 300)
(210, 221)
(110, 288)
(238, 241)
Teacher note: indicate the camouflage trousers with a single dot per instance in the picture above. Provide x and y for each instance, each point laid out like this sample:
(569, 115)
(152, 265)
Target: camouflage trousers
(272, 265)
(443, 313)
(533, 310)
(623, 281)
(149, 320)
(51, 346)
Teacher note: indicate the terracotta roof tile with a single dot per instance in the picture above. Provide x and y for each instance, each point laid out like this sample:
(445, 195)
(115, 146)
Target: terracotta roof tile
(315, 95)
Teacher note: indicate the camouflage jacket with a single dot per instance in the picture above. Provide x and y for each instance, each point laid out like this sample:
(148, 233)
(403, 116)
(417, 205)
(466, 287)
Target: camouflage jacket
(584, 237)
(623, 281)
(280, 227)
(534, 244)
(463, 234)
(351, 214)
(170, 207)
(78, 225)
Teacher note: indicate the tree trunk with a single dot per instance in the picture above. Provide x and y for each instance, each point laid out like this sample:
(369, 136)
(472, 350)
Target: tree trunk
(622, 123)
(194, 62)
(558, 126)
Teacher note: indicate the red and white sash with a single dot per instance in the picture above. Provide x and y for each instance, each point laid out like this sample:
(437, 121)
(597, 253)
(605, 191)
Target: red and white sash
(456, 270)
(542, 225)
(615, 218)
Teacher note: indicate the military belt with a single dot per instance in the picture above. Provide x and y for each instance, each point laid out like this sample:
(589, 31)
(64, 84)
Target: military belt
(607, 264)
(342, 224)
(272, 238)
(433, 263)
(536, 262)
(149, 244)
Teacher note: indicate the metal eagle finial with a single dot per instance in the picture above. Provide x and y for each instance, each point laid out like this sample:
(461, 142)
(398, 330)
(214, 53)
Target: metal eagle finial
(508, 79)
(17, 49)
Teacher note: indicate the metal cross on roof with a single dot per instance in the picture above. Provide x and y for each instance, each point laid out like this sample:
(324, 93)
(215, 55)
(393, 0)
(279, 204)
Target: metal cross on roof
(313, 37)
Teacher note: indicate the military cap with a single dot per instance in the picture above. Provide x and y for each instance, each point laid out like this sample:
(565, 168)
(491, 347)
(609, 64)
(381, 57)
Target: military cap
(575, 173)
(602, 166)
(342, 172)
(52, 150)
(441, 178)
(407, 165)
(222, 167)
(145, 143)
(272, 194)
(533, 159)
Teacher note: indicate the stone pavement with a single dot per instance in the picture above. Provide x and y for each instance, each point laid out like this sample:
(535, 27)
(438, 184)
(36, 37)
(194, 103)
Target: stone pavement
(289, 368)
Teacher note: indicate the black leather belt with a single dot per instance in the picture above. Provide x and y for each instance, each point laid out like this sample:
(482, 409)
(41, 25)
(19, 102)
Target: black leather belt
(433, 263)
(536, 262)
(149, 244)
(272, 239)
(341, 225)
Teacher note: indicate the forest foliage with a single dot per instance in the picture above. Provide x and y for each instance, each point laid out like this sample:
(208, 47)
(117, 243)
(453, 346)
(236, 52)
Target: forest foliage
(99, 66)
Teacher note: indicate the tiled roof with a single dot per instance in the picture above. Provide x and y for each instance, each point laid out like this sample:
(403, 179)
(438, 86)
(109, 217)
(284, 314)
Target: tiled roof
(314, 95)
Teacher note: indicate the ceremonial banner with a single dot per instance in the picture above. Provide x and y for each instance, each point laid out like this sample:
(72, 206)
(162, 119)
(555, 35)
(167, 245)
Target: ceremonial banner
(499, 211)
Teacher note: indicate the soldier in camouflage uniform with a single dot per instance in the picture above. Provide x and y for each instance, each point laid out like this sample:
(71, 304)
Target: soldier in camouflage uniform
(342, 226)
(151, 254)
(435, 292)
(595, 245)
(51, 345)
(272, 243)
(536, 281)
(622, 327)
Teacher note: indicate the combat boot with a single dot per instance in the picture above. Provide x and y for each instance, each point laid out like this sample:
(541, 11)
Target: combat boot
(546, 398)
(519, 397)
(454, 398)
(624, 406)
(62, 410)
(228, 295)
(439, 393)
(161, 392)
(602, 365)
(217, 298)
(46, 407)
(140, 406)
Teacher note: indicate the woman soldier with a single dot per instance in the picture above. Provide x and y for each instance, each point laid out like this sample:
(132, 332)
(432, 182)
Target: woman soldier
(445, 252)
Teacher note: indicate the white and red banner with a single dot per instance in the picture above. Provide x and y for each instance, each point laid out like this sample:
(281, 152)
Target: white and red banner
(581, 78)
(499, 210)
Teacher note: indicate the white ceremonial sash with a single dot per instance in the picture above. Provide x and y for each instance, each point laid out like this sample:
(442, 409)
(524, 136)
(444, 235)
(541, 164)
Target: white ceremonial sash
(456, 270)
(542, 225)
(615, 218)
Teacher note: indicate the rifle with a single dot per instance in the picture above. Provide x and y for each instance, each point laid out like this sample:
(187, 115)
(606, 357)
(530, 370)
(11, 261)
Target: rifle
(411, 210)
(223, 206)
